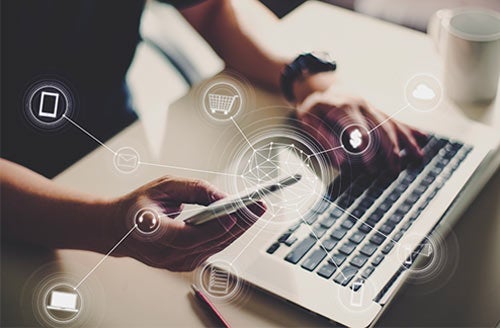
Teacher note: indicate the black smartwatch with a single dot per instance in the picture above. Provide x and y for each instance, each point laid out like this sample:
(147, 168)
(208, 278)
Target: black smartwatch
(304, 65)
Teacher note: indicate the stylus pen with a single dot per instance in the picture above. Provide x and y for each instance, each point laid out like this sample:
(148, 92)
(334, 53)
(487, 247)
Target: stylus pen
(210, 307)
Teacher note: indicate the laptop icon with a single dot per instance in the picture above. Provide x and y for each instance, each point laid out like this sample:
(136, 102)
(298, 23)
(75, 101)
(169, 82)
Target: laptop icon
(63, 301)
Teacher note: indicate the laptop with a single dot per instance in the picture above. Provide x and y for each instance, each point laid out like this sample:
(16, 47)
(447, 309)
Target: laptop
(63, 301)
(350, 254)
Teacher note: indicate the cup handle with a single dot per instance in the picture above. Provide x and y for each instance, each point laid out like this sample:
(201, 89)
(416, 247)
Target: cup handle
(435, 27)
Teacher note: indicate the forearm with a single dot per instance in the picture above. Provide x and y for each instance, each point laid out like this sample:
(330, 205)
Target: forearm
(235, 37)
(235, 40)
(38, 211)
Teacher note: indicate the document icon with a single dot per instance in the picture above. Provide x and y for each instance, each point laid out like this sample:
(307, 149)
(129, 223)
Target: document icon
(63, 301)
(218, 283)
(48, 104)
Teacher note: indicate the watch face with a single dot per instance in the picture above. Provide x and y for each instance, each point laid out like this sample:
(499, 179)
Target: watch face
(320, 62)
(323, 56)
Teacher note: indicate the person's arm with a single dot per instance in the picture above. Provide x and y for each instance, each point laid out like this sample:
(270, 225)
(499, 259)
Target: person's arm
(237, 42)
(234, 37)
(36, 210)
(319, 97)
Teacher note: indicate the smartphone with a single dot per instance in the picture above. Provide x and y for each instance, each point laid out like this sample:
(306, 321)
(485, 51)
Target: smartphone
(232, 204)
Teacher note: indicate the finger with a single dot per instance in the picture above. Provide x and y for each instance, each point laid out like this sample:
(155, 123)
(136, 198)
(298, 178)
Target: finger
(172, 212)
(390, 146)
(187, 260)
(180, 235)
(420, 136)
(199, 255)
(189, 191)
(331, 145)
(387, 138)
(313, 105)
(411, 145)
(367, 159)
(215, 246)
(244, 222)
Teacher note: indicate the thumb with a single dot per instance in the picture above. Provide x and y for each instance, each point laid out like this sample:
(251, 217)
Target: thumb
(191, 191)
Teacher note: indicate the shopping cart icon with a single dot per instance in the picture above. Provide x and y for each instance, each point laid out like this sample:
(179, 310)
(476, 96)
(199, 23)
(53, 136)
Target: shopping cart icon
(220, 103)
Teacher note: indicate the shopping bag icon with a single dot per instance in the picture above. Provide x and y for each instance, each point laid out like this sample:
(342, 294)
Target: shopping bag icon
(127, 160)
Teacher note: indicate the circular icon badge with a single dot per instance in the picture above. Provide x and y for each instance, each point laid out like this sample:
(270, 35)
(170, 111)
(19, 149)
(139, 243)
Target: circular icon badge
(272, 156)
(424, 92)
(126, 160)
(426, 251)
(147, 221)
(355, 139)
(47, 103)
(357, 296)
(222, 101)
(62, 303)
(219, 280)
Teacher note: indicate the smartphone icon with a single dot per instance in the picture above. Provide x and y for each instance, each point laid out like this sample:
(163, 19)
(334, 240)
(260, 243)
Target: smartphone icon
(357, 293)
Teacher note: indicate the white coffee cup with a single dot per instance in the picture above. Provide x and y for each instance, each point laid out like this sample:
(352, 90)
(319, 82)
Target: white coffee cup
(468, 40)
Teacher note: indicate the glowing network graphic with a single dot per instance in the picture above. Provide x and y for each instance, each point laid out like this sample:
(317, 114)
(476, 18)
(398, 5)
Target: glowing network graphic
(263, 159)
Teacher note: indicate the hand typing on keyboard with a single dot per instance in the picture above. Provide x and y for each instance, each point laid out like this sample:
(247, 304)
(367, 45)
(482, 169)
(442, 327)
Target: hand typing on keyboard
(324, 115)
(348, 237)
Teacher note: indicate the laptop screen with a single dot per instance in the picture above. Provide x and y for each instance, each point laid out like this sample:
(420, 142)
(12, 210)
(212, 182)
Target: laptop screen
(63, 300)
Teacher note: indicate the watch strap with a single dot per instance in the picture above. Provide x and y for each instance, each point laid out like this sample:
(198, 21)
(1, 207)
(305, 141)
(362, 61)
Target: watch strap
(304, 65)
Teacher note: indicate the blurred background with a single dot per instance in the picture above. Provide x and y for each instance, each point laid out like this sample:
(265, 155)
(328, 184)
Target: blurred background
(172, 57)
(411, 13)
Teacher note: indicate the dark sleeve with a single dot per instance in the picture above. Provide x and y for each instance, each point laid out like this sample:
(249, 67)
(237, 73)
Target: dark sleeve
(180, 4)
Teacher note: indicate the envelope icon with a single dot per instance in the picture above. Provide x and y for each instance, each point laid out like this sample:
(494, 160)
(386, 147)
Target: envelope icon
(127, 160)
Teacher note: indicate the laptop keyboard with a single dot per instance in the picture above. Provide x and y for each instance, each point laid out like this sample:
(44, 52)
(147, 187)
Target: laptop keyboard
(348, 237)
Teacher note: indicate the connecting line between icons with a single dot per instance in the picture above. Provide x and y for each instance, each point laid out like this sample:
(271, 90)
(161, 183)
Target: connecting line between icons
(150, 164)
(325, 151)
(390, 117)
(189, 169)
(105, 256)
(233, 175)
(244, 136)
(90, 135)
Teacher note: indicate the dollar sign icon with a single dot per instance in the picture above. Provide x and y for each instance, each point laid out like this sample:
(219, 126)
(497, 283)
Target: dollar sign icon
(355, 138)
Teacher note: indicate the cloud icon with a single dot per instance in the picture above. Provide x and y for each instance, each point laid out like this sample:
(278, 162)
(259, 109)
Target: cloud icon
(423, 92)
